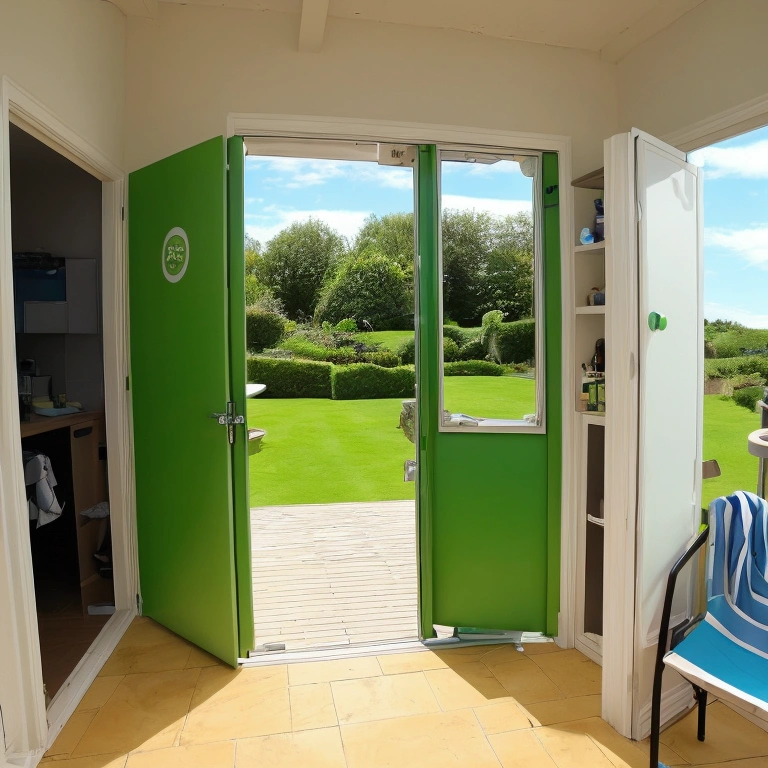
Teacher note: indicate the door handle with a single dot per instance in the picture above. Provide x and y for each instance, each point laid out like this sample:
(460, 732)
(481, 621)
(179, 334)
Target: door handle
(228, 420)
(657, 321)
(409, 471)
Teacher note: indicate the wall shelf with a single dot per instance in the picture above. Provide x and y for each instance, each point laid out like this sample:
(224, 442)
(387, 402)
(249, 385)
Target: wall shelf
(589, 247)
(600, 310)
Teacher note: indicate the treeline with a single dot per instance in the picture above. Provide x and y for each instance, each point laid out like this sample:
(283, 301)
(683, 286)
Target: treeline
(310, 272)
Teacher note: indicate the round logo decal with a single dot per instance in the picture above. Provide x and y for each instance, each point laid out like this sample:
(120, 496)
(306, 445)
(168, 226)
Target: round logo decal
(175, 255)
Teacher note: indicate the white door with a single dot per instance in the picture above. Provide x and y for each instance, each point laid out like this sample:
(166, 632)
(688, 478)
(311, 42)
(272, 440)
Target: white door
(670, 363)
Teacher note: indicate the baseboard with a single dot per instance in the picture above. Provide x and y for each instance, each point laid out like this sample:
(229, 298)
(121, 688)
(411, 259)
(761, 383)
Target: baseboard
(675, 703)
(69, 695)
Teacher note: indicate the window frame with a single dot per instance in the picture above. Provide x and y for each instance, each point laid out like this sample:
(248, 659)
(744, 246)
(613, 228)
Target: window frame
(521, 426)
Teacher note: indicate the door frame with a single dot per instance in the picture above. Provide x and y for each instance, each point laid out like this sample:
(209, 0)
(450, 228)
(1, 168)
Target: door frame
(385, 131)
(36, 728)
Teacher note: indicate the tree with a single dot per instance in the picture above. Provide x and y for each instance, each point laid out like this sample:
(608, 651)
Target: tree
(391, 235)
(296, 262)
(372, 288)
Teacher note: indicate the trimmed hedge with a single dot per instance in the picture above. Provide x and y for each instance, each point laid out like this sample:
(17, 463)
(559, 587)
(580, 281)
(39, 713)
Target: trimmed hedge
(748, 397)
(291, 378)
(450, 350)
(459, 335)
(407, 351)
(727, 367)
(310, 350)
(473, 350)
(473, 368)
(516, 342)
(262, 329)
(363, 381)
(383, 357)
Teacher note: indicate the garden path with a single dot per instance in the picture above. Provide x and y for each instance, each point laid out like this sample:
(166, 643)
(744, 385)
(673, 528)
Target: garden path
(328, 575)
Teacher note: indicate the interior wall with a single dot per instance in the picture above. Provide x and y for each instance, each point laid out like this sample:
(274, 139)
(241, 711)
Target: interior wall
(710, 60)
(193, 65)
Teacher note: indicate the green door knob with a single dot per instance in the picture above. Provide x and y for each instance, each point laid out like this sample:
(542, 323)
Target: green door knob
(657, 321)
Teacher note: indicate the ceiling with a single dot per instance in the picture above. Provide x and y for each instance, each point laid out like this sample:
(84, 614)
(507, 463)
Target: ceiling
(611, 27)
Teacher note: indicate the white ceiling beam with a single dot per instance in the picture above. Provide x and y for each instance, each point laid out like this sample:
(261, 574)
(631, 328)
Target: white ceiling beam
(312, 29)
(144, 8)
(659, 18)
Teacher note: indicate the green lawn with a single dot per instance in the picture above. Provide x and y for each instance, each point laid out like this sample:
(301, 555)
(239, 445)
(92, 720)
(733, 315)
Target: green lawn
(390, 340)
(322, 451)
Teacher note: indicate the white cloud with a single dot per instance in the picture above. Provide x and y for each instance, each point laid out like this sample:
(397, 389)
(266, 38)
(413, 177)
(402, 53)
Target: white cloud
(492, 205)
(482, 169)
(747, 162)
(750, 245)
(715, 311)
(269, 223)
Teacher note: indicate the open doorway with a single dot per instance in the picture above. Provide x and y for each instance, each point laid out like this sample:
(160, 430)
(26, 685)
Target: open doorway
(56, 225)
(330, 333)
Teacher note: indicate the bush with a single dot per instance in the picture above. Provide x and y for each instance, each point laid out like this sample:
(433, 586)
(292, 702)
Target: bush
(728, 367)
(383, 358)
(291, 378)
(369, 288)
(472, 350)
(473, 368)
(310, 350)
(516, 342)
(732, 342)
(455, 333)
(263, 329)
(450, 350)
(748, 397)
(407, 351)
(363, 381)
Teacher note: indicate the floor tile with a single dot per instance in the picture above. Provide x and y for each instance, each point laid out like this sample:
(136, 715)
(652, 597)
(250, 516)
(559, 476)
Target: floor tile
(147, 647)
(146, 711)
(563, 710)
(750, 762)
(200, 658)
(615, 747)
(218, 755)
(71, 734)
(503, 716)
(99, 692)
(729, 737)
(666, 755)
(95, 761)
(502, 654)
(377, 698)
(399, 663)
(236, 704)
(536, 649)
(426, 741)
(308, 749)
(520, 749)
(327, 671)
(465, 654)
(312, 706)
(526, 682)
(572, 672)
(465, 685)
(572, 750)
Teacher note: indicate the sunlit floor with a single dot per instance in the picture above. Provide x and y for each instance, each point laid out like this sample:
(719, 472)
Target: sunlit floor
(331, 575)
(160, 702)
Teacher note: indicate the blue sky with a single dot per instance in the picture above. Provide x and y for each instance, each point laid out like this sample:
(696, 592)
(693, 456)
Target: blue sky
(279, 191)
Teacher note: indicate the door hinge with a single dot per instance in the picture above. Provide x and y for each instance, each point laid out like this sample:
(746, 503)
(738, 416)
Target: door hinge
(128, 383)
(122, 213)
(229, 419)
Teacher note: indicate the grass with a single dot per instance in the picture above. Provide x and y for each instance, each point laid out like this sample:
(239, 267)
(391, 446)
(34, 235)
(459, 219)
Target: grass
(324, 451)
(726, 426)
(390, 340)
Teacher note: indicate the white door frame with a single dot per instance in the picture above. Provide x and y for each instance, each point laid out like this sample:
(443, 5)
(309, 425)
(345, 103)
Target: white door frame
(30, 729)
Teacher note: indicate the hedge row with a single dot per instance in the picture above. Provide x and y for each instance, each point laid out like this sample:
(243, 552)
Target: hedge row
(364, 381)
(516, 342)
(727, 367)
(473, 368)
(291, 378)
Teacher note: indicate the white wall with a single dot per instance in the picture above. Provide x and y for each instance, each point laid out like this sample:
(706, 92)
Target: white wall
(193, 65)
(712, 59)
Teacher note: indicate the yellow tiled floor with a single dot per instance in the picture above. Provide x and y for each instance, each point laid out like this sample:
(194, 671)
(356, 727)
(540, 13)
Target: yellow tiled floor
(159, 702)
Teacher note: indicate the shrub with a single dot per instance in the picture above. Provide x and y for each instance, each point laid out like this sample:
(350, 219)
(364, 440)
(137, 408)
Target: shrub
(347, 325)
(450, 350)
(473, 368)
(407, 351)
(728, 367)
(310, 350)
(383, 358)
(369, 288)
(472, 350)
(516, 342)
(291, 378)
(455, 333)
(263, 329)
(363, 381)
(709, 350)
(748, 397)
(732, 342)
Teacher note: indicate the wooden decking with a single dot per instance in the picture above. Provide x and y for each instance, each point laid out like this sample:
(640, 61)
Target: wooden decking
(328, 575)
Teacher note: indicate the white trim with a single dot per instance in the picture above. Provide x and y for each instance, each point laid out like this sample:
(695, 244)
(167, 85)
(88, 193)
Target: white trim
(66, 700)
(19, 107)
(675, 703)
(721, 126)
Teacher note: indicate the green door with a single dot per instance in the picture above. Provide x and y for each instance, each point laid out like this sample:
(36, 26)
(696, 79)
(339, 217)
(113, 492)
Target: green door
(188, 474)
(489, 503)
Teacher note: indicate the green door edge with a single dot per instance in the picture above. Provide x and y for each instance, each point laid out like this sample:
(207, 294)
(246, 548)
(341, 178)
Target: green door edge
(238, 378)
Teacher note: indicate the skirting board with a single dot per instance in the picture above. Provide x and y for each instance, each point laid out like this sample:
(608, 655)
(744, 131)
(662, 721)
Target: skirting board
(675, 703)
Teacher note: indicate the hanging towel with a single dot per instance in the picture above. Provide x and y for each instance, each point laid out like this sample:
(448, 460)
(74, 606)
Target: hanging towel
(43, 504)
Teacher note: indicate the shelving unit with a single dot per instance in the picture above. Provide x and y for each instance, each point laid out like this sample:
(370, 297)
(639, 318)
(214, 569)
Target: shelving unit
(589, 324)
